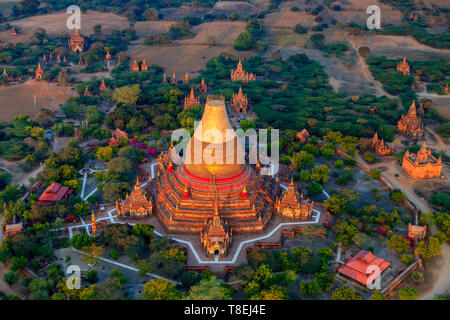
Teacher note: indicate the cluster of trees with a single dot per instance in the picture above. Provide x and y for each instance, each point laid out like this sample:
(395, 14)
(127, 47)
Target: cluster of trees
(251, 38)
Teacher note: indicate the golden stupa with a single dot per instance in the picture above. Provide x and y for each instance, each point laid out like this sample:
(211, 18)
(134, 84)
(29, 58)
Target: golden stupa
(214, 149)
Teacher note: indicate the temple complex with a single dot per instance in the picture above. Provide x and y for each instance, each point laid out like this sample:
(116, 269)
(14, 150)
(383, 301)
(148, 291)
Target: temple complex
(379, 147)
(292, 205)
(203, 87)
(239, 74)
(239, 102)
(77, 43)
(216, 196)
(117, 136)
(191, 100)
(404, 67)
(39, 72)
(410, 124)
(422, 165)
(136, 205)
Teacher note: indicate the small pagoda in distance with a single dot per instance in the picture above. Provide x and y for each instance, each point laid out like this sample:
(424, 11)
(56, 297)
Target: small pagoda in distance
(136, 205)
(191, 100)
(239, 74)
(293, 205)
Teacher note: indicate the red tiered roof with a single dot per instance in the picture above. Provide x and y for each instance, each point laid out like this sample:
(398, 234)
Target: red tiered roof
(54, 192)
(356, 267)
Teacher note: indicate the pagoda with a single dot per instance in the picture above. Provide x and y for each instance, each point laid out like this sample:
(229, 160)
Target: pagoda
(80, 61)
(303, 135)
(108, 56)
(173, 80)
(410, 124)
(293, 205)
(216, 236)
(422, 165)
(39, 73)
(87, 93)
(203, 87)
(77, 43)
(164, 80)
(239, 102)
(14, 31)
(144, 66)
(58, 58)
(187, 195)
(404, 67)
(7, 76)
(239, 74)
(446, 88)
(186, 79)
(51, 56)
(103, 85)
(135, 67)
(44, 58)
(379, 147)
(191, 100)
(135, 205)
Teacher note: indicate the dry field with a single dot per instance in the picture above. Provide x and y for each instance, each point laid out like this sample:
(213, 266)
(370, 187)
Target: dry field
(398, 46)
(177, 13)
(55, 23)
(190, 55)
(148, 28)
(7, 5)
(19, 99)
(284, 17)
(244, 9)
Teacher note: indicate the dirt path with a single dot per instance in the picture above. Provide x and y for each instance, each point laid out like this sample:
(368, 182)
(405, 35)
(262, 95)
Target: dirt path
(366, 72)
(441, 285)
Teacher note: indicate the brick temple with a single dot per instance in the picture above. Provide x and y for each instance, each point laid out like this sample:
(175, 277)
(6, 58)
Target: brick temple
(135, 205)
(239, 74)
(404, 67)
(191, 100)
(379, 146)
(77, 43)
(411, 124)
(422, 165)
(39, 72)
(239, 102)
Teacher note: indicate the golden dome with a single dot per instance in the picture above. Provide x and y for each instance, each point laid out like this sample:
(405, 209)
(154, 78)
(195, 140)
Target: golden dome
(220, 149)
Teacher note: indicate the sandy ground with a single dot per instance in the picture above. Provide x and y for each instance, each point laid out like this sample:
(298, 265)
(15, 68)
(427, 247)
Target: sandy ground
(191, 55)
(55, 23)
(441, 284)
(18, 99)
(147, 28)
(440, 103)
(394, 47)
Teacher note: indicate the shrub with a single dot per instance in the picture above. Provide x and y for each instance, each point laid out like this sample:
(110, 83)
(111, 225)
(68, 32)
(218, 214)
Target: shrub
(92, 276)
(407, 258)
(339, 163)
(114, 254)
(11, 277)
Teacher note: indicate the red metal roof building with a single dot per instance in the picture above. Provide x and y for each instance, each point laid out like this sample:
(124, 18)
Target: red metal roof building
(358, 268)
(54, 192)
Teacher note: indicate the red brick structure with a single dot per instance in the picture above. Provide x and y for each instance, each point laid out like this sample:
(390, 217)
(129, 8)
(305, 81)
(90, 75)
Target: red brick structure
(404, 67)
(117, 136)
(173, 80)
(135, 66)
(422, 165)
(239, 74)
(239, 102)
(418, 232)
(144, 65)
(292, 205)
(135, 205)
(379, 147)
(77, 43)
(39, 73)
(203, 87)
(186, 79)
(191, 100)
(360, 267)
(216, 236)
(12, 229)
(303, 135)
(54, 193)
(94, 225)
(103, 85)
(108, 56)
(411, 124)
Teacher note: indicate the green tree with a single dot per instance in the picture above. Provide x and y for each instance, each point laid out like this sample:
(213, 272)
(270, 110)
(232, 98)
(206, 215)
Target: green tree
(210, 289)
(160, 289)
(11, 277)
(408, 293)
(128, 95)
(302, 160)
(377, 295)
(345, 293)
(398, 243)
(244, 41)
